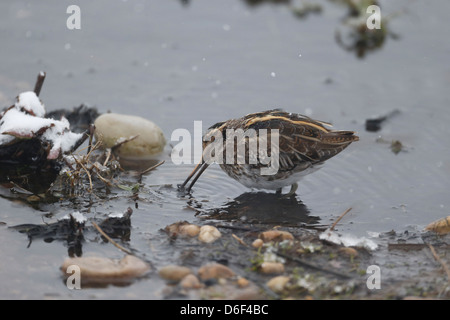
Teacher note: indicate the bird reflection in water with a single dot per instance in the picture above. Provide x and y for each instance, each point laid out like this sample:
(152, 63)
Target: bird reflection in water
(264, 208)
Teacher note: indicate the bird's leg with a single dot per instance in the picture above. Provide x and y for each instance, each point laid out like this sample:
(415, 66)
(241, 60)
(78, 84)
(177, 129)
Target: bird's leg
(291, 192)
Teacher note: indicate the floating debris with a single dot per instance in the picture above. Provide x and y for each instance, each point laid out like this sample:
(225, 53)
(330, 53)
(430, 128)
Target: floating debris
(374, 124)
(347, 240)
(354, 35)
(27, 137)
(69, 229)
(396, 146)
(80, 118)
(77, 216)
(306, 9)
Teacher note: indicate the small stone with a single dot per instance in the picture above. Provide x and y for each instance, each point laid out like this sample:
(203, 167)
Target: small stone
(33, 198)
(351, 252)
(112, 128)
(257, 243)
(272, 267)
(276, 235)
(174, 272)
(182, 228)
(104, 270)
(214, 271)
(209, 234)
(190, 282)
(242, 282)
(190, 230)
(278, 283)
(441, 226)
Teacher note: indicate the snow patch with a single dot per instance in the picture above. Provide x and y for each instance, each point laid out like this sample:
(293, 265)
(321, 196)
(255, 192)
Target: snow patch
(347, 240)
(25, 121)
(79, 217)
(30, 102)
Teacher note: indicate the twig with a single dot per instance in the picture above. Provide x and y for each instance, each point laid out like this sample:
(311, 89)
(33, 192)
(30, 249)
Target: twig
(91, 134)
(118, 144)
(339, 219)
(109, 239)
(151, 168)
(105, 181)
(239, 239)
(313, 266)
(108, 154)
(87, 172)
(39, 82)
(80, 141)
(442, 263)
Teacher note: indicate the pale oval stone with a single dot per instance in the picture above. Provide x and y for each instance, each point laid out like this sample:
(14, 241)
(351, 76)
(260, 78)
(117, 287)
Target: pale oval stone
(272, 267)
(174, 272)
(257, 243)
(190, 230)
(278, 283)
(276, 235)
(182, 228)
(214, 271)
(242, 282)
(112, 128)
(209, 234)
(100, 269)
(190, 282)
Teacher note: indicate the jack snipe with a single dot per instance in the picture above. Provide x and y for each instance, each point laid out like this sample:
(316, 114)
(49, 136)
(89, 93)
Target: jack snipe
(301, 145)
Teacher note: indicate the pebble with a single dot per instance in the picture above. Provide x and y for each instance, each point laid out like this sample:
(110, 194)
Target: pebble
(276, 235)
(441, 226)
(242, 282)
(272, 267)
(277, 283)
(209, 234)
(190, 282)
(351, 252)
(111, 128)
(174, 272)
(182, 228)
(214, 271)
(101, 270)
(257, 243)
(190, 230)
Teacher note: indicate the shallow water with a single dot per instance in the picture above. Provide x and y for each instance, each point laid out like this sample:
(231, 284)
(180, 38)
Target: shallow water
(215, 60)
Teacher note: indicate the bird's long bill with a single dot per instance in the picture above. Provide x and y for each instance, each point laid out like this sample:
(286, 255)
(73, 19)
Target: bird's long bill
(200, 168)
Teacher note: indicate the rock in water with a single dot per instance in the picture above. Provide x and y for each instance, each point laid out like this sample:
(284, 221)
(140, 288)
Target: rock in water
(174, 272)
(99, 270)
(113, 128)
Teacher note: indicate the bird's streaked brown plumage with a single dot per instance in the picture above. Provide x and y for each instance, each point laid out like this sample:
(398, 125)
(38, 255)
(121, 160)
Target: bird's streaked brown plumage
(304, 144)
